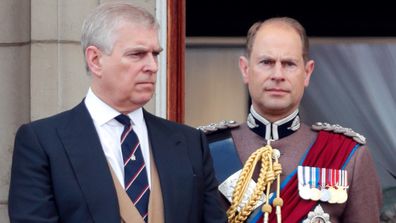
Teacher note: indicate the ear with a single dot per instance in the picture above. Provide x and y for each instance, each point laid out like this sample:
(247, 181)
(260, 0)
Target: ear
(92, 57)
(309, 68)
(244, 67)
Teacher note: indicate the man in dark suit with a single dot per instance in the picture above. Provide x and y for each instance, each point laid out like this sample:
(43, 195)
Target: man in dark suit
(70, 167)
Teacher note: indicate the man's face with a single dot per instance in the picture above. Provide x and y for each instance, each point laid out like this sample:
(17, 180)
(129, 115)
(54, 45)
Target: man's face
(276, 73)
(126, 79)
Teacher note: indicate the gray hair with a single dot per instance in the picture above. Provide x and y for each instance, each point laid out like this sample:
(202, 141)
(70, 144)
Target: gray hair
(286, 20)
(99, 28)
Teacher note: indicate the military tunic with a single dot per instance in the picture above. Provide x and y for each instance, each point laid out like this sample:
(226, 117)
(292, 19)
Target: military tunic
(364, 193)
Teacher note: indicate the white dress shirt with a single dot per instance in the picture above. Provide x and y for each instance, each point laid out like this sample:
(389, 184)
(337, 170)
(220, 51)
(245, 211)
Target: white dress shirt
(110, 130)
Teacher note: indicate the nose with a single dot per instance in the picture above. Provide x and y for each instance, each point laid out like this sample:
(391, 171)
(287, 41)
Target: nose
(278, 72)
(151, 63)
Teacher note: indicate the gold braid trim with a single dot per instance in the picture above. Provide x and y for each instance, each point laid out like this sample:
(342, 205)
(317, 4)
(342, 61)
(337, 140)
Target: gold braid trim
(266, 178)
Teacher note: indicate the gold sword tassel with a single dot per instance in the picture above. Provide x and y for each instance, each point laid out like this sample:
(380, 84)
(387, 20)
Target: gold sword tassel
(269, 171)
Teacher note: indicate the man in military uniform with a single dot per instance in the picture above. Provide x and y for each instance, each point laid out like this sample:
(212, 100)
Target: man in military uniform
(322, 173)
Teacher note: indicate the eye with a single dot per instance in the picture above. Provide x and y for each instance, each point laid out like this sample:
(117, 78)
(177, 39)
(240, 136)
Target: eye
(136, 54)
(156, 54)
(288, 64)
(267, 62)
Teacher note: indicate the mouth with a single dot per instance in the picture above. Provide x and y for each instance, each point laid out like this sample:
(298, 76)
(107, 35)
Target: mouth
(145, 87)
(277, 91)
(145, 83)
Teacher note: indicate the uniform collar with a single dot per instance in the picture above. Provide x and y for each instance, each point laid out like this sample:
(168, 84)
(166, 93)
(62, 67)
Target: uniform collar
(276, 130)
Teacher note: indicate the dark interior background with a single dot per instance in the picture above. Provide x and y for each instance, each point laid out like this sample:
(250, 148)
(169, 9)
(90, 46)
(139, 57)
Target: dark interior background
(320, 18)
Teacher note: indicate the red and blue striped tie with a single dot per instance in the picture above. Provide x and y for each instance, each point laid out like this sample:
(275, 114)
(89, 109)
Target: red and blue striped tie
(135, 180)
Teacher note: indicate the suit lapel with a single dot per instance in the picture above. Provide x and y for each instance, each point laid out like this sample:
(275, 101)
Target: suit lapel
(174, 167)
(86, 156)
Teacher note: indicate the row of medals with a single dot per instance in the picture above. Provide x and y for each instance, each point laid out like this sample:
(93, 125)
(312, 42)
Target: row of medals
(328, 191)
(331, 194)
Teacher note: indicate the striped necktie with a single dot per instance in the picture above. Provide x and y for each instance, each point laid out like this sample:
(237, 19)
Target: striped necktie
(135, 179)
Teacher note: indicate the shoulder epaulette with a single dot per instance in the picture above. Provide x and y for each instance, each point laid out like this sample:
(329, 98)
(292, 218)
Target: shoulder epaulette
(214, 127)
(341, 130)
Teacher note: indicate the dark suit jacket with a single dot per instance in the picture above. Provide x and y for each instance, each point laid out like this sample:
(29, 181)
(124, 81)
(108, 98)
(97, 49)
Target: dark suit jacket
(60, 173)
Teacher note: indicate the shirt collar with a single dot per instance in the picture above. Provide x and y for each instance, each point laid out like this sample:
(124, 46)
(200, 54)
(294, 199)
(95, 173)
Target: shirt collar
(102, 113)
(275, 130)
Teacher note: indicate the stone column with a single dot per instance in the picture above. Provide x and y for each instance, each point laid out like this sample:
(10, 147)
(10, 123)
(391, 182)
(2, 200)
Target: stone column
(58, 77)
(14, 84)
